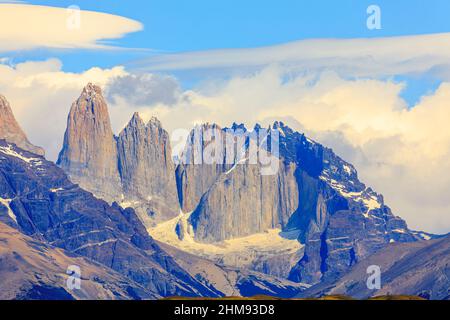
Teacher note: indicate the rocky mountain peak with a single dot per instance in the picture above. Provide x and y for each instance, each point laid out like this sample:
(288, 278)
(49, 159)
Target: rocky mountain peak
(92, 103)
(11, 131)
(155, 122)
(134, 169)
(281, 125)
(240, 126)
(89, 153)
(278, 124)
(136, 121)
(257, 127)
(315, 194)
(146, 170)
(3, 100)
(91, 90)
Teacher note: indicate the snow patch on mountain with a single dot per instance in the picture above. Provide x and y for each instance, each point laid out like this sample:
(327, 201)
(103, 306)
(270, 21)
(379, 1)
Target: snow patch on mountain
(399, 230)
(9, 150)
(242, 161)
(6, 203)
(347, 169)
(366, 197)
(269, 243)
(424, 235)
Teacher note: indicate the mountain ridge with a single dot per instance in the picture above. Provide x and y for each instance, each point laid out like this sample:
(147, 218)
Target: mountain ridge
(313, 192)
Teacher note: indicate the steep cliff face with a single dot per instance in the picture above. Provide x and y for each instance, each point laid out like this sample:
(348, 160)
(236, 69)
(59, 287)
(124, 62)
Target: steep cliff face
(135, 169)
(11, 131)
(243, 202)
(89, 153)
(339, 219)
(229, 192)
(241, 199)
(147, 170)
(195, 175)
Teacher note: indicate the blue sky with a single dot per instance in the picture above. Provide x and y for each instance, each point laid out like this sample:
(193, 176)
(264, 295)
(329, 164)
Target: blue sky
(179, 26)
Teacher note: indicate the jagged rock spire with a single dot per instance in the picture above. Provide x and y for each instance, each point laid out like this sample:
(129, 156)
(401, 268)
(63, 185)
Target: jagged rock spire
(147, 170)
(11, 131)
(134, 169)
(89, 153)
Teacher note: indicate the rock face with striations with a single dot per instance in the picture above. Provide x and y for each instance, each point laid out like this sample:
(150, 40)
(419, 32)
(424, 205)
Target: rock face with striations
(11, 131)
(134, 169)
(194, 175)
(234, 198)
(147, 170)
(89, 153)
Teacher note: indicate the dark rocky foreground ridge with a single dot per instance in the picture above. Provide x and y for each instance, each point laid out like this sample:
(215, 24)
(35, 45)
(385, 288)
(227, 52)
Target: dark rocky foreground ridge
(31, 270)
(416, 269)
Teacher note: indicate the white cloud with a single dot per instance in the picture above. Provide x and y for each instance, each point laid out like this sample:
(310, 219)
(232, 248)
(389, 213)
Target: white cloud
(32, 26)
(364, 57)
(145, 89)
